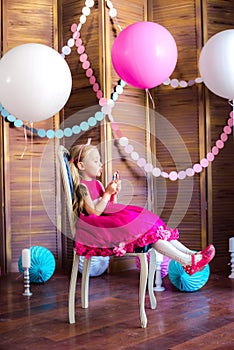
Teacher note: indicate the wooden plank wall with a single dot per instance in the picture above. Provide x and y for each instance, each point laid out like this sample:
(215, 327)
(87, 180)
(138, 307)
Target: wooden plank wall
(199, 116)
(25, 22)
(83, 102)
(98, 34)
(184, 128)
(181, 107)
(218, 16)
(130, 114)
(2, 214)
(82, 98)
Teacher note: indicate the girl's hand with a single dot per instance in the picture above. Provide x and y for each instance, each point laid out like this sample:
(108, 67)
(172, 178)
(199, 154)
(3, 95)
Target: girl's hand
(111, 188)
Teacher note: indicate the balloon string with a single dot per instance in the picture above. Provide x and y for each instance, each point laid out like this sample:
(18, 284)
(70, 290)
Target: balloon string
(26, 144)
(151, 98)
(115, 20)
(149, 152)
(118, 25)
(30, 187)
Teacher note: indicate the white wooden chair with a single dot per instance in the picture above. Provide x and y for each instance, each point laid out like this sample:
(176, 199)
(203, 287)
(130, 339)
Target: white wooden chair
(67, 185)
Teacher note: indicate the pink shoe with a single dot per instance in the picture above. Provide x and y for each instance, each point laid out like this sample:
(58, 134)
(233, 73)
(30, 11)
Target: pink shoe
(209, 251)
(207, 255)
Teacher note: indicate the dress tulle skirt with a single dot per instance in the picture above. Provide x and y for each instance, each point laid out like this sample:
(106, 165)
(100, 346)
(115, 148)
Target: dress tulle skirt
(120, 229)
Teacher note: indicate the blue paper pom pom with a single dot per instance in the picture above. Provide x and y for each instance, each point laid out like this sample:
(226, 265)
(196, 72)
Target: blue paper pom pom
(42, 264)
(184, 282)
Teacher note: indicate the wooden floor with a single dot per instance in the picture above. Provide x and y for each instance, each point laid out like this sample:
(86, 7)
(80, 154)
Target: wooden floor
(203, 320)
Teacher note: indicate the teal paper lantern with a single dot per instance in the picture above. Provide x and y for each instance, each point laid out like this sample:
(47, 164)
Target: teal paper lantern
(42, 264)
(184, 282)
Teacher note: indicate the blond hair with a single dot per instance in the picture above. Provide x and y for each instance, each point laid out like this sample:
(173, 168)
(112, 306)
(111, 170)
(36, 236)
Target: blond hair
(77, 154)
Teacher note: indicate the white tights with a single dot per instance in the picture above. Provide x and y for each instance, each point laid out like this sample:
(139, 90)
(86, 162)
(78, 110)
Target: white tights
(176, 251)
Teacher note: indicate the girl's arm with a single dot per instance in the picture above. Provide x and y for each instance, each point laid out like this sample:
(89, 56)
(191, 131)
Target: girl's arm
(99, 207)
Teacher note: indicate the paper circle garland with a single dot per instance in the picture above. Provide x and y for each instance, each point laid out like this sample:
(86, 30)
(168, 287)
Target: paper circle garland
(35, 82)
(144, 54)
(98, 265)
(184, 282)
(42, 264)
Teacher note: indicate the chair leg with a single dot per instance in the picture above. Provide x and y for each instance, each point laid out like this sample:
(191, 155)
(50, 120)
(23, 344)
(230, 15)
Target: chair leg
(85, 284)
(152, 269)
(142, 289)
(72, 288)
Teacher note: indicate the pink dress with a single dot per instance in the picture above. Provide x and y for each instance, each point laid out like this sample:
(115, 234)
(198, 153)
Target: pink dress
(120, 229)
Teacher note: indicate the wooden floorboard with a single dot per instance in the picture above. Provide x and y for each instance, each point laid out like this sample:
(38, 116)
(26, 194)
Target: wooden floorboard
(200, 320)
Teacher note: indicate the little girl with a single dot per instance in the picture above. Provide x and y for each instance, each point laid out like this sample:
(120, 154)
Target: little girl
(108, 228)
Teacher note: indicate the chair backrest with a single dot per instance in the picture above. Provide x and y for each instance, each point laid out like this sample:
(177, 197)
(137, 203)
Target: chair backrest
(63, 156)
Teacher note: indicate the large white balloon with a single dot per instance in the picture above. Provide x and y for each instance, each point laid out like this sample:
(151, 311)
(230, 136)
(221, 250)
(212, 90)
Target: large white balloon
(35, 82)
(216, 64)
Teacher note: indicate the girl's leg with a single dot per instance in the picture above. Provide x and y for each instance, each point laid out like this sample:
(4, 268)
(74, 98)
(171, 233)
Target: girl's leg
(181, 247)
(209, 250)
(172, 252)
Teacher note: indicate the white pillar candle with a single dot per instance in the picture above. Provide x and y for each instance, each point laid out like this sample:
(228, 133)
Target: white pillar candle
(231, 244)
(26, 258)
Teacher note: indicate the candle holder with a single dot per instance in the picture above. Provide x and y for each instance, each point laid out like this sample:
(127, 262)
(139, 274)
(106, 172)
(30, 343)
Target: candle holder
(231, 250)
(26, 263)
(26, 292)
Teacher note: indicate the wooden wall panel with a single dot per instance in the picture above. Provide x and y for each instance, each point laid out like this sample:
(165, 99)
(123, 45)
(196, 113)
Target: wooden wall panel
(181, 107)
(131, 115)
(218, 16)
(83, 102)
(199, 119)
(3, 263)
(25, 22)
(82, 95)
(98, 34)
(184, 141)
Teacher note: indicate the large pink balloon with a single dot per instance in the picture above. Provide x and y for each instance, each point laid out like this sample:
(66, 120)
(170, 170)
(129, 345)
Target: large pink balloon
(144, 54)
